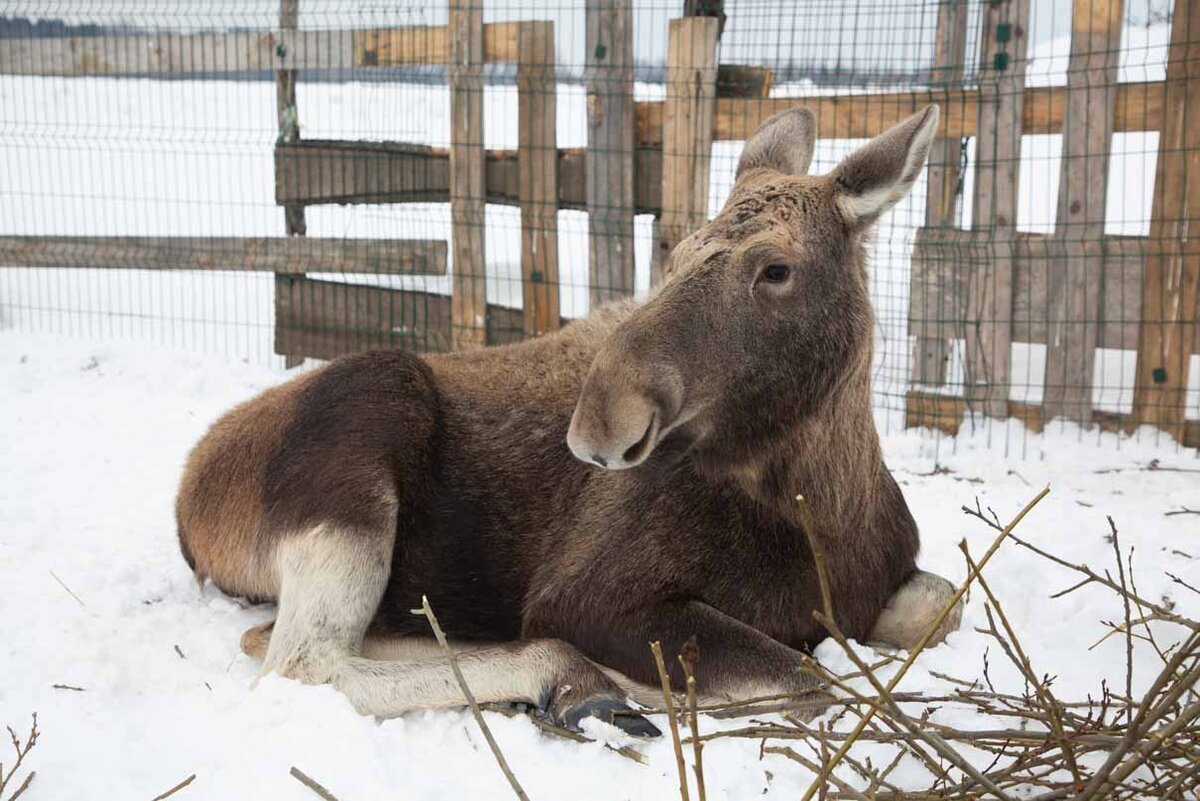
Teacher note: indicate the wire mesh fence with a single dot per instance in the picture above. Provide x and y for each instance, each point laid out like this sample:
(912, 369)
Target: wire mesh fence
(277, 181)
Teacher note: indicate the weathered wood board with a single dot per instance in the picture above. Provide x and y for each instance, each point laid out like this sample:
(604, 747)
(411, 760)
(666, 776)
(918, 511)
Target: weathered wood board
(246, 51)
(931, 356)
(1073, 283)
(611, 198)
(325, 171)
(467, 196)
(327, 319)
(1171, 281)
(289, 255)
(537, 167)
(688, 128)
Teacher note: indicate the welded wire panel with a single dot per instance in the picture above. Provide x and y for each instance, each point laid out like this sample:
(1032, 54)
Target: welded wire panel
(288, 179)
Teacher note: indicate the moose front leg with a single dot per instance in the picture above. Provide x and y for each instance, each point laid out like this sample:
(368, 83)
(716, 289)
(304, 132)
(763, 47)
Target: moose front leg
(737, 662)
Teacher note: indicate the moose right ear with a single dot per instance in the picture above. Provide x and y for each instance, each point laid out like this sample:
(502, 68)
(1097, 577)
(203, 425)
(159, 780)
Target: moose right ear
(783, 143)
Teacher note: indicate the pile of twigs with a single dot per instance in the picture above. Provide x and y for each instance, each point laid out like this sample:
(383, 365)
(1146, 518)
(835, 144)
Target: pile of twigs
(1109, 746)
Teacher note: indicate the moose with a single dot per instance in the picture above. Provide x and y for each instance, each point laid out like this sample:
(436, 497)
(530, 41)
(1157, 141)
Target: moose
(564, 501)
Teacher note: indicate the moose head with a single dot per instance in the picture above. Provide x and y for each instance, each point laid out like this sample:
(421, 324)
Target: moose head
(764, 312)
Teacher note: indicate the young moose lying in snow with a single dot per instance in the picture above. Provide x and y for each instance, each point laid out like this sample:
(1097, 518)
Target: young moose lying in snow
(565, 501)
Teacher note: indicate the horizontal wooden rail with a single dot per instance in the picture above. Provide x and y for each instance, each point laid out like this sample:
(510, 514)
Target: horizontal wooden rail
(243, 51)
(945, 413)
(1138, 108)
(326, 319)
(267, 254)
(315, 171)
(944, 260)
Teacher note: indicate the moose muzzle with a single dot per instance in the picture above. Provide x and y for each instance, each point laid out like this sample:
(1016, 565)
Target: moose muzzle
(622, 414)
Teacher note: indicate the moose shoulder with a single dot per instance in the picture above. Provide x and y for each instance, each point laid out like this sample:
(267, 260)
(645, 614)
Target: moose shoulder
(565, 501)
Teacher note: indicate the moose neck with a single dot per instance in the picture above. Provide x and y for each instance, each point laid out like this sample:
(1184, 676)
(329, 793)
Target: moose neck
(830, 456)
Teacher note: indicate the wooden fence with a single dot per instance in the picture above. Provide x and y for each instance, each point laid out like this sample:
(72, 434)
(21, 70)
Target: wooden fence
(1075, 290)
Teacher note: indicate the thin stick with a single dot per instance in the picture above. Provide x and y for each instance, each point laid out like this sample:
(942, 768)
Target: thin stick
(1116, 543)
(24, 786)
(656, 649)
(427, 610)
(312, 784)
(687, 661)
(68, 589)
(806, 523)
(840, 754)
(176, 788)
(21, 751)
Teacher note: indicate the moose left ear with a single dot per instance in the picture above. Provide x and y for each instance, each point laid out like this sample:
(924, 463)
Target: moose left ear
(873, 179)
(783, 143)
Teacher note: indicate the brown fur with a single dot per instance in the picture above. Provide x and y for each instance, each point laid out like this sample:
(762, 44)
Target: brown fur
(220, 504)
(720, 399)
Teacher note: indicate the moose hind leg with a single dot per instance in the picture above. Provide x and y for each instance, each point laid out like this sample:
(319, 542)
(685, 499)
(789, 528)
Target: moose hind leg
(399, 674)
(912, 610)
(550, 674)
(331, 581)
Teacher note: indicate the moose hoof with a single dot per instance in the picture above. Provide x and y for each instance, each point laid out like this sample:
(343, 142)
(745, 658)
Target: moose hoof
(606, 709)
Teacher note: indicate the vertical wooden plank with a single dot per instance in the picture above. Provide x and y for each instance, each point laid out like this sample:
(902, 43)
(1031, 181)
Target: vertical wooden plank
(468, 301)
(537, 169)
(610, 201)
(931, 355)
(687, 127)
(997, 153)
(289, 131)
(1073, 280)
(1171, 279)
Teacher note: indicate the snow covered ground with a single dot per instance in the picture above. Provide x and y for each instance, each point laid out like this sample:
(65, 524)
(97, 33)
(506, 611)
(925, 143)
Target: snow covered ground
(93, 594)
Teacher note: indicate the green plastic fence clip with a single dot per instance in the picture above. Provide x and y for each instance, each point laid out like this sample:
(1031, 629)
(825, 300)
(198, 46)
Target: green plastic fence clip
(281, 50)
(1004, 32)
(536, 276)
(1160, 375)
(601, 51)
(1000, 63)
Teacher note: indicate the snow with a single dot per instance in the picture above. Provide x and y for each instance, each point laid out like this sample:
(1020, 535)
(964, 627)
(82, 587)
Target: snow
(94, 435)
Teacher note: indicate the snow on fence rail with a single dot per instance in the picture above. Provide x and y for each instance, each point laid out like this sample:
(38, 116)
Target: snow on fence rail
(986, 288)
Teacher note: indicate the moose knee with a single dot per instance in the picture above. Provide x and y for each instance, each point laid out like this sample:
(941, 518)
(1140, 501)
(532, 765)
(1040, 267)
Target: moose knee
(913, 608)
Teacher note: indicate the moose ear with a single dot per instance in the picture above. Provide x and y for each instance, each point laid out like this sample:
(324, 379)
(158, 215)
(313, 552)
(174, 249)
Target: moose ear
(872, 179)
(783, 143)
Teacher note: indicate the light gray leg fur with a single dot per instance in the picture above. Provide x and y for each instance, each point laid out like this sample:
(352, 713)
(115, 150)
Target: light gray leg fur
(912, 610)
(331, 585)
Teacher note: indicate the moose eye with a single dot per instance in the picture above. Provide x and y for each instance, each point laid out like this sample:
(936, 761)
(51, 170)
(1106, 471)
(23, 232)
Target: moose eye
(776, 273)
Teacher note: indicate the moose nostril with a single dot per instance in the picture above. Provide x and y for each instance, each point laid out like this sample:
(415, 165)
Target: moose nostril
(600, 460)
(635, 451)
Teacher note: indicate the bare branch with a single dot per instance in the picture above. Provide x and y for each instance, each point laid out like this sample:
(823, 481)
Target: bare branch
(427, 610)
(669, 704)
(311, 784)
